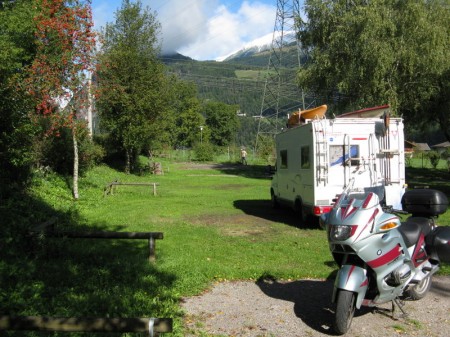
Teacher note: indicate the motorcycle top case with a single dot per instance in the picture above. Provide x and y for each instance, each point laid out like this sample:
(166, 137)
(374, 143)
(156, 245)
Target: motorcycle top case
(438, 244)
(424, 202)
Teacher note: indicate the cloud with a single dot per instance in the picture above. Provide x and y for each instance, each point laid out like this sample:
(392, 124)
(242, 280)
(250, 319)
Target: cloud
(206, 30)
(201, 29)
(182, 22)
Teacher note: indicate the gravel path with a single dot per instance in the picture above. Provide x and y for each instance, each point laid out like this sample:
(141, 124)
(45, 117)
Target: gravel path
(303, 308)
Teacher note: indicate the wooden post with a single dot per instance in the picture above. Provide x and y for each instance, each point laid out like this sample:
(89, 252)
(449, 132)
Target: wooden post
(151, 249)
(154, 189)
(86, 324)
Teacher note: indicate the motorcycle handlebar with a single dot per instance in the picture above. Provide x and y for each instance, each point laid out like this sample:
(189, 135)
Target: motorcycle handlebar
(390, 209)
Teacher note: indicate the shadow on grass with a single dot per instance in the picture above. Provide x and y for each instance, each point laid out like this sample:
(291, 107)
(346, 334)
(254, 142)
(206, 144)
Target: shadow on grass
(64, 277)
(263, 209)
(247, 171)
(433, 178)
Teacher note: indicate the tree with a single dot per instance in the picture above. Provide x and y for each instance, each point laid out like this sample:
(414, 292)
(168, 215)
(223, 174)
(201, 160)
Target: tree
(367, 53)
(17, 50)
(132, 87)
(185, 108)
(191, 127)
(222, 120)
(65, 42)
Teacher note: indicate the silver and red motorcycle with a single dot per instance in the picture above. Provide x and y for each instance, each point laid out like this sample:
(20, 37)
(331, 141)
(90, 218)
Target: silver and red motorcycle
(380, 258)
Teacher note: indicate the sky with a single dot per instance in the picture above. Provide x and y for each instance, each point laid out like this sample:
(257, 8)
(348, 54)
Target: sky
(201, 29)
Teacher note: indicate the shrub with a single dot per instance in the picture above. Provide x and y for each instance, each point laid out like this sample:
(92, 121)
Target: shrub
(434, 157)
(204, 151)
(57, 152)
(91, 154)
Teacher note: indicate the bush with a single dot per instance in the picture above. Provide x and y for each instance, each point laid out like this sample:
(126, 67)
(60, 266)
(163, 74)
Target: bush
(204, 151)
(91, 154)
(434, 157)
(56, 152)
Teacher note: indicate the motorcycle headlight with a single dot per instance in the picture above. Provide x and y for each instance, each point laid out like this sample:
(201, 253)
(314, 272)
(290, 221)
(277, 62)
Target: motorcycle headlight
(341, 232)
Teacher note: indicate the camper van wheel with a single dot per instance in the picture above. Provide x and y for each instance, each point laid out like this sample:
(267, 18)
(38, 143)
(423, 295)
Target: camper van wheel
(274, 200)
(299, 211)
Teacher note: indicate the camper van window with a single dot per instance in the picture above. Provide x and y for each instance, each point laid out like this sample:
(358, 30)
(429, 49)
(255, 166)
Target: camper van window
(284, 161)
(338, 155)
(354, 155)
(305, 157)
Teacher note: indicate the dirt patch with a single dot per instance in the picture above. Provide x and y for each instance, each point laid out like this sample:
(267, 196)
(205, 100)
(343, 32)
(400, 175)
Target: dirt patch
(234, 225)
(303, 308)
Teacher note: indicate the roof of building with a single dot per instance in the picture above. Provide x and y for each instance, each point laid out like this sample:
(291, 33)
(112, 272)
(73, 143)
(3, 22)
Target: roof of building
(422, 146)
(444, 145)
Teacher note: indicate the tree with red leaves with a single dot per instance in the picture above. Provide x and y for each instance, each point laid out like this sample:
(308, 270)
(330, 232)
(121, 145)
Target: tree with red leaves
(58, 76)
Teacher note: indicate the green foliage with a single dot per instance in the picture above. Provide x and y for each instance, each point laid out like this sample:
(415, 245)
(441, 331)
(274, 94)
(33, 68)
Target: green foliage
(91, 154)
(222, 120)
(204, 151)
(266, 149)
(434, 158)
(380, 52)
(185, 115)
(131, 81)
(57, 152)
(17, 50)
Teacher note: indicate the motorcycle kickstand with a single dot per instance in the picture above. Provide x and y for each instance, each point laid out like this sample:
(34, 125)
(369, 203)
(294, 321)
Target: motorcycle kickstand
(400, 304)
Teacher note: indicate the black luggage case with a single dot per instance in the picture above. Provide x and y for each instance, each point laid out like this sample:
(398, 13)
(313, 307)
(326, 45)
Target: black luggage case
(424, 202)
(438, 244)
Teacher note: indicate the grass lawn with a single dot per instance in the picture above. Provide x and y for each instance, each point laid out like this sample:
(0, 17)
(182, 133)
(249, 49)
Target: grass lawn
(217, 223)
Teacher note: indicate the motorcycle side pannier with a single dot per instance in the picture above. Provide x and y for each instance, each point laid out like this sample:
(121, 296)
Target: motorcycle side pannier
(424, 202)
(438, 244)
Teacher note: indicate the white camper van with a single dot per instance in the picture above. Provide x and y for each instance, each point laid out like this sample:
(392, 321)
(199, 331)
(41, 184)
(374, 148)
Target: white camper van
(317, 159)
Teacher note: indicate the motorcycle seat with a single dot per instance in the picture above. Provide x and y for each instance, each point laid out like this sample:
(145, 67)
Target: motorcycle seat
(423, 222)
(410, 232)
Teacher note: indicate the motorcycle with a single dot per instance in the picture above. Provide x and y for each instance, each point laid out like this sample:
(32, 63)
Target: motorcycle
(380, 258)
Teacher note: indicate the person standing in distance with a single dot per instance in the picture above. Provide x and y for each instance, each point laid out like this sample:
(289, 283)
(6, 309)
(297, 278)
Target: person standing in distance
(243, 156)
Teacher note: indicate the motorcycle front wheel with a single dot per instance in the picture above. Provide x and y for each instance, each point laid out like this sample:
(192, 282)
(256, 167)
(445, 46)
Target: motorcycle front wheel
(419, 290)
(345, 309)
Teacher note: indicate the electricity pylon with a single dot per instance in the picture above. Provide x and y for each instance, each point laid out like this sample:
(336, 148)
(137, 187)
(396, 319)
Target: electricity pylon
(281, 93)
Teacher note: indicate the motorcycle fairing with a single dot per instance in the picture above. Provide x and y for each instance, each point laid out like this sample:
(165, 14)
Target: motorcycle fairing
(386, 258)
(351, 278)
(419, 255)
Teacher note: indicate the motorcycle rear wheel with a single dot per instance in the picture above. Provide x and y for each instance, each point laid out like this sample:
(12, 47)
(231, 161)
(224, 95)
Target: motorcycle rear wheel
(345, 309)
(419, 290)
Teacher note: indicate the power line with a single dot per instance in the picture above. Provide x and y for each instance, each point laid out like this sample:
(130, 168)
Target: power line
(285, 32)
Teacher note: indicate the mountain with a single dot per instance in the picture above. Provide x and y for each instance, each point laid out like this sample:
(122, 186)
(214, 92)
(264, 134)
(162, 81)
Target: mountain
(173, 58)
(260, 45)
(240, 77)
(249, 49)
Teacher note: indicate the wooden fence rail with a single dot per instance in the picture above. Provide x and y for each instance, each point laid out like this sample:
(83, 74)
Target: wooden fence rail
(151, 236)
(47, 229)
(109, 189)
(153, 326)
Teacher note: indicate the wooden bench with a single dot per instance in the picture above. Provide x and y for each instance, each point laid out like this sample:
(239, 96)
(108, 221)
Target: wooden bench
(47, 229)
(109, 189)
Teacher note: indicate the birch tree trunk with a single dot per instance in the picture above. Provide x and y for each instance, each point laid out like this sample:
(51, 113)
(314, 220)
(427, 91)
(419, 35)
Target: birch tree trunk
(75, 164)
(128, 161)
